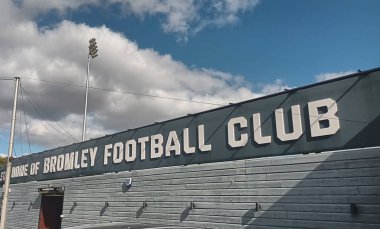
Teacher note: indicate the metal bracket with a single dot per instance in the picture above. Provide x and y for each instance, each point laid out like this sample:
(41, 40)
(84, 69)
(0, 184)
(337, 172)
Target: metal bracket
(354, 209)
(257, 207)
(192, 205)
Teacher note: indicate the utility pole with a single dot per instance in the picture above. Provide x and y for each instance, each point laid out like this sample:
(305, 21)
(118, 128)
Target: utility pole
(9, 160)
(92, 53)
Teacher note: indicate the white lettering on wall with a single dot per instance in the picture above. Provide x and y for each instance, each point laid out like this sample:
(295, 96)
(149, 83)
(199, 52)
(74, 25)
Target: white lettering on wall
(53, 163)
(34, 168)
(60, 162)
(186, 142)
(172, 144)
(330, 116)
(257, 133)
(322, 118)
(19, 171)
(118, 152)
(83, 161)
(107, 153)
(321, 114)
(296, 120)
(46, 164)
(93, 152)
(76, 160)
(130, 150)
(156, 149)
(201, 139)
(142, 142)
(69, 161)
(233, 140)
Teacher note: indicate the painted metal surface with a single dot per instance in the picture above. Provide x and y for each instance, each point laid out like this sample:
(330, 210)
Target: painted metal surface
(297, 191)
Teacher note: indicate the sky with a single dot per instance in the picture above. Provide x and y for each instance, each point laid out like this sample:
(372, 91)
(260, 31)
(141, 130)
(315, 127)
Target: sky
(161, 59)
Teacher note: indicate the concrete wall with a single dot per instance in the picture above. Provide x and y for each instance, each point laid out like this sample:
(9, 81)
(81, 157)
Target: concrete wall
(301, 191)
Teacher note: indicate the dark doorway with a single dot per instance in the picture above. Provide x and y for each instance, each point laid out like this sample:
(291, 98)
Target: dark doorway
(50, 212)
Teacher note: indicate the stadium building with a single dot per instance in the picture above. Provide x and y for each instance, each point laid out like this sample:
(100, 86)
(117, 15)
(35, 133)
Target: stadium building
(307, 157)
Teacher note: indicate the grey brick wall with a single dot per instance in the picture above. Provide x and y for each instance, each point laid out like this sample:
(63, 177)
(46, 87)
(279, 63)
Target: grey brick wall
(300, 191)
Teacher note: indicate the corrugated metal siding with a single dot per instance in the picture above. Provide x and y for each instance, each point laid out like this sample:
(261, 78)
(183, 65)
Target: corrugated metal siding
(302, 191)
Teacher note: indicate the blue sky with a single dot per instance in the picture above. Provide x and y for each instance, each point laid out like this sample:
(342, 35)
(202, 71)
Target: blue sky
(289, 40)
(266, 46)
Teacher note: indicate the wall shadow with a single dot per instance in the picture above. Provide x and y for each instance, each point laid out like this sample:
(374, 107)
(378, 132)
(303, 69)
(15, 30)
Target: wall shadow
(184, 214)
(342, 191)
(139, 212)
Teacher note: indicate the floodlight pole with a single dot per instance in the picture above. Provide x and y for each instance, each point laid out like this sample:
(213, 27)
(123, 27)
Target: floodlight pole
(85, 103)
(92, 53)
(9, 160)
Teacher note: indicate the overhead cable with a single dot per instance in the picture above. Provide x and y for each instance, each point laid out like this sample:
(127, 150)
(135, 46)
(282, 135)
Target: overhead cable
(26, 123)
(34, 105)
(125, 92)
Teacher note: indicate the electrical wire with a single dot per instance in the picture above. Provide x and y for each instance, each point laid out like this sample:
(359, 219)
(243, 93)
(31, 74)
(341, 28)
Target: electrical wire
(59, 125)
(20, 160)
(26, 123)
(6, 78)
(124, 92)
(67, 134)
(36, 107)
(154, 96)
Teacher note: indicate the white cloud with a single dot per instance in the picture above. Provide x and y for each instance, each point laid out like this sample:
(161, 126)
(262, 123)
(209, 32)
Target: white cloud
(188, 17)
(183, 18)
(332, 75)
(277, 86)
(59, 54)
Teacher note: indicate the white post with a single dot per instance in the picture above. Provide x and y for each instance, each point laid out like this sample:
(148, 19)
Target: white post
(85, 103)
(9, 161)
(92, 53)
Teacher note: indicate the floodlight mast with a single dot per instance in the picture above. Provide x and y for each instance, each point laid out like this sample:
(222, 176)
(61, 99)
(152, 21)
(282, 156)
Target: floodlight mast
(92, 53)
(9, 160)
